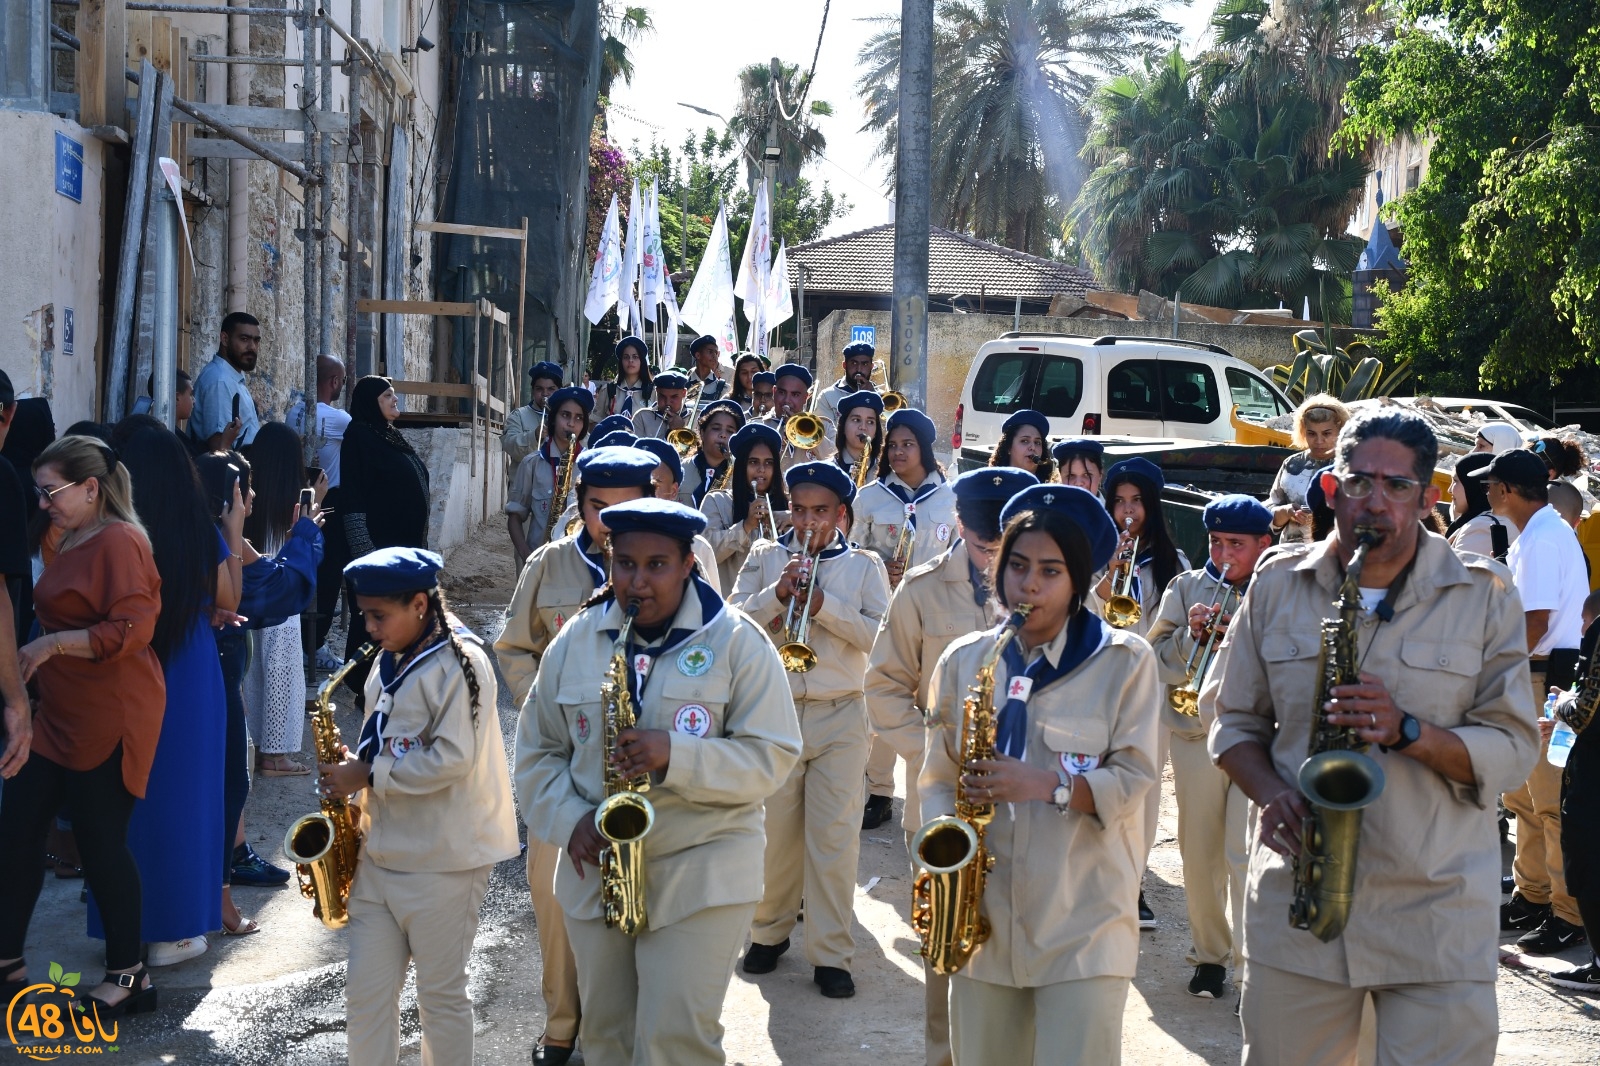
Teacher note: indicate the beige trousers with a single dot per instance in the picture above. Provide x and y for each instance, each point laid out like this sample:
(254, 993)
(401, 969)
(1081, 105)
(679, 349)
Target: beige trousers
(1290, 1020)
(814, 834)
(880, 770)
(656, 999)
(559, 974)
(1541, 875)
(1073, 1023)
(1214, 841)
(426, 918)
(1152, 802)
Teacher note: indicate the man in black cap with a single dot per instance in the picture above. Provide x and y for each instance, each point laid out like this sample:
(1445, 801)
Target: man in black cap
(524, 424)
(714, 378)
(857, 360)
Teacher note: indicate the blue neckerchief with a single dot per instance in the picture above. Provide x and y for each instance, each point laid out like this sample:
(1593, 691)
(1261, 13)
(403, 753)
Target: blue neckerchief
(643, 659)
(370, 746)
(793, 543)
(1085, 631)
(911, 499)
(627, 399)
(1239, 588)
(980, 591)
(708, 474)
(586, 552)
(1136, 590)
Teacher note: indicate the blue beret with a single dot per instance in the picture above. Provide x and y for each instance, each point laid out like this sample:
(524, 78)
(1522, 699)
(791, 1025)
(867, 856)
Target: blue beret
(611, 467)
(700, 342)
(644, 349)
(794, 370)
(859, 348)
(650, 515)
(544, 370)
(664, 453)
(617, 438)
(584, 397)
(990, 484)
(1237, 513)
(1027, 417)
(391, 571)
(864, 398)
(610, 424)
(754, 433)
(670, 379)
(1137, 467)
(827, 474)
(1079, 505)
(1074, 447)
(732, 407)
(914, 420)
(763, 377)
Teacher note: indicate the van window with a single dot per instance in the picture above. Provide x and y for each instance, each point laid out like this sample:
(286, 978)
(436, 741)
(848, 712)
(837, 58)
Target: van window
(1131, 390)
(1001, 384)
(1060, 387)
(1255, 400)
(1190, 392)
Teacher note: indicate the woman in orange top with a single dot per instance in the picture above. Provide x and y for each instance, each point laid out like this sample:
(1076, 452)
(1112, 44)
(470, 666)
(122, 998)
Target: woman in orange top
(97, 716)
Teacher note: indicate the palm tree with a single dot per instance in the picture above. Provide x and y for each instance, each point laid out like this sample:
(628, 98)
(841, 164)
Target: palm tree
(1014, 79)
(799, 140)
(622, 29)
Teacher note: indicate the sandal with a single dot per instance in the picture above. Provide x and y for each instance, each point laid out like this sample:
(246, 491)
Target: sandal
(245, 927)
(138, 1001)
(280, 766)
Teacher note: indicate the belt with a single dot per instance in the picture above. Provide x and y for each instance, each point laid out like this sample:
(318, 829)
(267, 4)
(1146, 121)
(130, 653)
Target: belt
(1538, 666)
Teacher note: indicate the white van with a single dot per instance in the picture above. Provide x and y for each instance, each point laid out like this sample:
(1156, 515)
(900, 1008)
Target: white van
(1122, 386)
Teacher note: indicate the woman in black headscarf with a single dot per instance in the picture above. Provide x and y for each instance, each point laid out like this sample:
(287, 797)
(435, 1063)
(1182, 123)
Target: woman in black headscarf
(1474, 530)
(384, 489)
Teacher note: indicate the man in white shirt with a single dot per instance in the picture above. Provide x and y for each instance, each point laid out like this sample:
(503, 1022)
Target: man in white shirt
(1547, 563)
(331, 421)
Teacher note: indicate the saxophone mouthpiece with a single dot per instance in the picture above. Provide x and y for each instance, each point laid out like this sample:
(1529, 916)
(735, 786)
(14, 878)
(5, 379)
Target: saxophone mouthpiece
(1367, 536)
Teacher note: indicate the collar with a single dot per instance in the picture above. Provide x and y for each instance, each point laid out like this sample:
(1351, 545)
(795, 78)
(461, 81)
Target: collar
(1052, 651)
(1436, 566)
(838, 547)
(586, 555)
(954, 562)
(932, 481)
(1212, 573)
(701, 607)
(227, 367)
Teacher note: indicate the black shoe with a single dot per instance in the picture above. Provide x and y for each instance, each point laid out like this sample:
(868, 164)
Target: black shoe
(546, 1055)
(763, 958)
(1581, 979)
(1508, 885)
(138, 1001)
(1555, 935)
(251, 869)
(834, 982)
(1208, 980)
(1238, 1003)
(1147, 917)
(1517, 914)
(879, 810)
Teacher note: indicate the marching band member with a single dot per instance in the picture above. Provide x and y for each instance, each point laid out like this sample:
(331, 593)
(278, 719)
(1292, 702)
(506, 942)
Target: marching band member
(671, 387)
(1213, 814)
(813, 841)
(791, 392)
(436, 816)
(1075, 760)
(860, 430)
(668, 483)
(937, 602)
(717, 734)
(719, 421)
(608, 425)
(1443, 660)
(631, 389)
(555, 583)
(911, 490)
(714, 379)
(763, 384)
(857, 365)
(1080, 462)
(753, 502)
(745, 369)
(534, 487)
(1024, 444)
(525, 425)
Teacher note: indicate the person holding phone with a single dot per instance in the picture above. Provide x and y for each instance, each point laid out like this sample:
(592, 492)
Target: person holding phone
(224, 411)
(1317, 422)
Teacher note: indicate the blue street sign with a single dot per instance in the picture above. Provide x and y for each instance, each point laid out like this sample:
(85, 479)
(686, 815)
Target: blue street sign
(69, 168)
(864, 335)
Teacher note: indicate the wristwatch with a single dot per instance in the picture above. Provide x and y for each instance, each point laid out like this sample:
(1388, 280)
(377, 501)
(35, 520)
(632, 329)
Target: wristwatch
(1410, 730)
(1062, 796)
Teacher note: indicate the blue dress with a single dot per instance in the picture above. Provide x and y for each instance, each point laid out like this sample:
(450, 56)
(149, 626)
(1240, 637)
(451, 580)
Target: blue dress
(174, 830)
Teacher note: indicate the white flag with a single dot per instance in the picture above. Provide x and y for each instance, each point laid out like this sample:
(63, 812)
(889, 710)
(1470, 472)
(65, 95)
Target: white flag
(655, 262)
(631, 251)
(709, 306)
(669, 296)
(779, 308)
(607, 276)
(754, 269)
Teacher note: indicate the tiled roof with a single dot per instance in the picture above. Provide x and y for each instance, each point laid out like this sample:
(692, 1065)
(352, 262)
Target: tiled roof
(957, 265)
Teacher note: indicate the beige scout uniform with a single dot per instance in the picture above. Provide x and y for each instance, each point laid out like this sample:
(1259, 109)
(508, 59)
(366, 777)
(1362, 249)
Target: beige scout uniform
(1213, 812)
(814, 819)
(532, 492)
(828, 402)
(1049, 985)
(790, 457)
(730, 541)
(720, 694)
(651, 423)
(1422, 931)
(435, 820)
(691, 482)
(554, 584)
(933, 606)
(522, 434)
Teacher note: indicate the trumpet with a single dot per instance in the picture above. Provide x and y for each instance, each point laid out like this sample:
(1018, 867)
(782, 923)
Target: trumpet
(905, 541)
(1122, 610)
(864, 464)
(766, 500)
(797, 656)
(685, 440)
(1186, 700)
(892, 400)
(803, 430)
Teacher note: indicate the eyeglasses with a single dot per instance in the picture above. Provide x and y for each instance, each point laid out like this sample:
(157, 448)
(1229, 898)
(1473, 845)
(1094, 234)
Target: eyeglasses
(43, 495)
(1395, 489)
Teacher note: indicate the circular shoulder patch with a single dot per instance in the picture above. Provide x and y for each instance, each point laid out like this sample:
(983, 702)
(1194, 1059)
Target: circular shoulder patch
(1077, 763)
(943, 532)
(692, 719)
(695, 660)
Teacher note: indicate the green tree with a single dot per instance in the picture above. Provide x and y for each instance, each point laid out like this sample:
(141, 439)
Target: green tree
(622, 28)
(1014, 78)
(799, 139)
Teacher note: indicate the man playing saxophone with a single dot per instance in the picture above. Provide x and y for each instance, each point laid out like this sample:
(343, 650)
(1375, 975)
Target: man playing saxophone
(1440, 655)
(716, 734)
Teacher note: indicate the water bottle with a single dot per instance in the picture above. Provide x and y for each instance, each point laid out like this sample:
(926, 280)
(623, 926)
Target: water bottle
(1561, 737)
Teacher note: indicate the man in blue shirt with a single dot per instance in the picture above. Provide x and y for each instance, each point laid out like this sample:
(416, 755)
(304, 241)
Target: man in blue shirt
(215, 423)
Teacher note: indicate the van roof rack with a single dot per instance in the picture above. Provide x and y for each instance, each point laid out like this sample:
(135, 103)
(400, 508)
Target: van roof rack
(1204, 346)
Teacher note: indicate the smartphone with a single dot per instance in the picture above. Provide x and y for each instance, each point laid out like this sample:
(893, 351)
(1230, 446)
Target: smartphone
(308, 500)
(236, 399)
(312, 474)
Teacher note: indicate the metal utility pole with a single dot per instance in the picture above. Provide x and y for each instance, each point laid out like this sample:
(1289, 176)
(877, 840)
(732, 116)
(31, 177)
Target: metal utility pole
(769, 163)
(909, 330)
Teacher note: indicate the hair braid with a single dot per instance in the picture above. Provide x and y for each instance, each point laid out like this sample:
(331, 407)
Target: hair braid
(436, 604)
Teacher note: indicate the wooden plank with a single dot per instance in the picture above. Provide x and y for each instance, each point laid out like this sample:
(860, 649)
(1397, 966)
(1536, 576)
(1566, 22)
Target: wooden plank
(222, 148)
(141, 38)
(432, 388)
(91, 67)
(471, 231)
(161, 50)
(115, 64)
(184, 86)
(253, 118)
(416, 307)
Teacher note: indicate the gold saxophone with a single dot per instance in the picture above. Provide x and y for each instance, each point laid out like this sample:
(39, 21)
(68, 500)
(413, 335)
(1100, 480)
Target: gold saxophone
(323, 845)
(558, 501)
(1338, 777)
(954, 864)
(624, 817)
